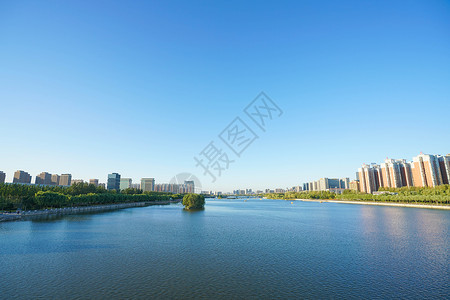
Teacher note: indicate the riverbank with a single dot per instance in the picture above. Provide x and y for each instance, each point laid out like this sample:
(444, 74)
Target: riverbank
(77, 210)
(446, 207)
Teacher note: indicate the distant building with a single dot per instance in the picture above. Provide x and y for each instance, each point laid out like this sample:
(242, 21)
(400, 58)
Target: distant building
(125, 183)
(136, 186)
(354, 185)
(44, 178)
(76, 181)
(113, 182)
(2, 177)
(148, 184)
(21, 177)
(189, 186)
(93, 181)
(55, 179)
(326, 184)
(103, 185)
(297, 189)
(279, 191)
(65, 179)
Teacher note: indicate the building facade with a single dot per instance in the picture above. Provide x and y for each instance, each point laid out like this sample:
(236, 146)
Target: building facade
(113, 182)
(21, 177)
(55, 179)
(93, 181)
(148, 184)
(2, 177)
(444, 165)
(76, 181)
(44, 178)
(65, 179)
(354, 185)
(125, 183)
(426, 171)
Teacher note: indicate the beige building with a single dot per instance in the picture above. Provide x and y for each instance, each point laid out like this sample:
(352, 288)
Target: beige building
(44, 178)
(148, 184)
(75, 181)
(21, 177)
(55, 179)
(93, 181)
(354, 185)
(65, 179)
(367, 178)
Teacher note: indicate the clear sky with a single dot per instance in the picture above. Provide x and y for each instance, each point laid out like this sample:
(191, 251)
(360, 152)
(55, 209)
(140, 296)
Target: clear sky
(141, 87)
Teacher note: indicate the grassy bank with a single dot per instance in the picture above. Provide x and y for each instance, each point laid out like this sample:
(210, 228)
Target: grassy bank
(439, 195)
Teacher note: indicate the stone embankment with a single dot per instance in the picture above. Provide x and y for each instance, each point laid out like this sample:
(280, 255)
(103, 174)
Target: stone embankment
(77, 210)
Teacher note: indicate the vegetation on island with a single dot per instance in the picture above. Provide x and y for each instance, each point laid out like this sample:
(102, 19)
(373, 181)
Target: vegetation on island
(31, 197)
(193, 201)
(416, 195)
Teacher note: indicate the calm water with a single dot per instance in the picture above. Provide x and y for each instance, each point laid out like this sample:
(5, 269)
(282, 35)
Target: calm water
(232, 249)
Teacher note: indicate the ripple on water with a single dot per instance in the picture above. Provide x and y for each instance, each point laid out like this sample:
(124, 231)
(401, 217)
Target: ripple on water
(252, 250)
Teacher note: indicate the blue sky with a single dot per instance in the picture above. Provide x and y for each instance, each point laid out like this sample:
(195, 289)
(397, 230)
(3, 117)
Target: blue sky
(140, 88)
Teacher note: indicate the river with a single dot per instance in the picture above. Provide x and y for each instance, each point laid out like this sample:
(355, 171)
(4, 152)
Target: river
(254, 249)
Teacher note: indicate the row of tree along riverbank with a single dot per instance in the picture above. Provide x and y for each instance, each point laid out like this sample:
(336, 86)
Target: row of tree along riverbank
(439, 195)
(15, 197)
(30, 214)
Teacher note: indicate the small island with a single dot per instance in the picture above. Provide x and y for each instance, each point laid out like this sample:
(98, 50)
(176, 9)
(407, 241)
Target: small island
(193, 202)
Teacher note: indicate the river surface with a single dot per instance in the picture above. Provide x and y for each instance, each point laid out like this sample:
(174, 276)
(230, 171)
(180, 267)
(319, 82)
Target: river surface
(254, 249)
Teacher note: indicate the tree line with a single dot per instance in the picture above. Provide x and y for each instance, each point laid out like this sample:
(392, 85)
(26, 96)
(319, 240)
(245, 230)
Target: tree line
(30, 197)
(421, 195)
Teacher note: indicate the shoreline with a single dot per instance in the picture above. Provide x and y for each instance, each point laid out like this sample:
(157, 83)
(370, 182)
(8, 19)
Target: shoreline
(444, 207)
(25, 215)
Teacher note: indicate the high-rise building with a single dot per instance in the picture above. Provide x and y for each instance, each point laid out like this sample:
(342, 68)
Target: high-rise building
(136, 186)
(21, 177)
(65, 179)
(55, 179)
(426, 171)
(395, 173)
(148, 184)
(44, 178)
(93, 181)
(2, 177)
(344, 183)
(354, 185)
(327, 184)
(444, 165)
(189, 185)
(367, 181)
(125, 183)
(113, 182)
(103, 185)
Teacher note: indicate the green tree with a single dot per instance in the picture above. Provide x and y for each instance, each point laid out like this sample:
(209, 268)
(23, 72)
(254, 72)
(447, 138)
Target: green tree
(50, 199)
(193, 201)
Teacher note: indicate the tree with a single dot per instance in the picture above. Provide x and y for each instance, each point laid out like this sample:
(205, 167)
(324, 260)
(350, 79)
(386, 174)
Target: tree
(50, 199)
(193, 201)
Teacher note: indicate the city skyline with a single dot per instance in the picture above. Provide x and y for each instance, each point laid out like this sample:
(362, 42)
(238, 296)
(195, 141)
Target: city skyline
(369, 178)
(140, 89)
